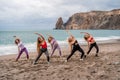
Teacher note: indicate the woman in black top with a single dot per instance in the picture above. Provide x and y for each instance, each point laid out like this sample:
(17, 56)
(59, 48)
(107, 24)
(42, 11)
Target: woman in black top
(74, 46)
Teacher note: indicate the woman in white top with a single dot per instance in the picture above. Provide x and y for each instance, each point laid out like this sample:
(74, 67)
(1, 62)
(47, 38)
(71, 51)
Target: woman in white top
(21, 48)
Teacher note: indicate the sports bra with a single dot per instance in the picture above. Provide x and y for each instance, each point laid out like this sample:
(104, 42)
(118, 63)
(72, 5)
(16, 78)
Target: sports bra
(90, 39)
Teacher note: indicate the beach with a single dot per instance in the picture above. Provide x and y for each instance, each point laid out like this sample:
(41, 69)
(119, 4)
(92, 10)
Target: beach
(104, 67)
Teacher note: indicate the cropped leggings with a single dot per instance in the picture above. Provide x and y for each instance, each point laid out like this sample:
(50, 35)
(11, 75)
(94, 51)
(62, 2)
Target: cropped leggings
(93, 45)
(41, 52)
(21, 51)
(76, 48)
(56, 46)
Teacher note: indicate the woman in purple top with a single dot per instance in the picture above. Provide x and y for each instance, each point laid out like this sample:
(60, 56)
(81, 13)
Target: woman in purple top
(54, 45)
(21, 48)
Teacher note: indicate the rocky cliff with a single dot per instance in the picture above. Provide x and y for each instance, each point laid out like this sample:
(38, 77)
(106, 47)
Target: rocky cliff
(59, 24)
(93, 20)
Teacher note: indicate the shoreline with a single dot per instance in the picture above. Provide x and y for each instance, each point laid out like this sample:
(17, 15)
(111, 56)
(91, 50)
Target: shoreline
(91, 68)
(12, 49)
(114, 41)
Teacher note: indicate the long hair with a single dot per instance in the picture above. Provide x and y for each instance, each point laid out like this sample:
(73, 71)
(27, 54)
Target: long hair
(38, 43)
(86, 36)
(50, 39)
(16, 41)
(69, 39)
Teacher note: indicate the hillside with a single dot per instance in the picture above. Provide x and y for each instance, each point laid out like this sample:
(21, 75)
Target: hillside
(92, 20)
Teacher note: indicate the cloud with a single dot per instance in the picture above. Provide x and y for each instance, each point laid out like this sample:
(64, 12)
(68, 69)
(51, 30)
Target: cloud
(40, 12)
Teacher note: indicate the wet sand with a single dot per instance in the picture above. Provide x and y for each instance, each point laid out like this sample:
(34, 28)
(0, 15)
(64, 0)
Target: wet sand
(104, 67)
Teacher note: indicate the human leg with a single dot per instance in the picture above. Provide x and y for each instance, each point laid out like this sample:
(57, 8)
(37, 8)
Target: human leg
(47, 55)
(97, 49)
(81, 50)
(26, 51)
(72, 52)
(21, 51)
(90, 48)
(37, 58)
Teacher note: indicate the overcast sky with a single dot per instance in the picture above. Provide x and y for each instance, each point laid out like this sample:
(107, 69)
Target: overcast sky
(43, 14)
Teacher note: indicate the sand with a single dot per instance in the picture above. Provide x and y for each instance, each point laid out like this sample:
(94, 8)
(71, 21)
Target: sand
(104, 67)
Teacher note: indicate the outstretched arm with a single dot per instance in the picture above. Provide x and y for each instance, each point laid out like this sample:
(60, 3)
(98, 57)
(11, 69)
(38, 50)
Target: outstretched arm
(70, 34)
(49, 35)
(18, 50)
(88, 45)
(40, 35)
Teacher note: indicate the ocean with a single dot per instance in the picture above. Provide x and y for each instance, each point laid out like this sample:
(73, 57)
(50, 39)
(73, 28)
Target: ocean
(28, 38)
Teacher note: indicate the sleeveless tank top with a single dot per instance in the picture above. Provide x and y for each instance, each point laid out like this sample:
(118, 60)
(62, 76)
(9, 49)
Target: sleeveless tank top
(90, 39)
(44, 45)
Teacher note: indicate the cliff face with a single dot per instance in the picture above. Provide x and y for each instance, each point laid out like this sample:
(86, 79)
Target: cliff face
(94, 20)
(59, 24)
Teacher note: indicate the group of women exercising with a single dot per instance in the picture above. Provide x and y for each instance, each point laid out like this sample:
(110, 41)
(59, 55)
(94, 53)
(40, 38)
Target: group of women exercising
(42, 46)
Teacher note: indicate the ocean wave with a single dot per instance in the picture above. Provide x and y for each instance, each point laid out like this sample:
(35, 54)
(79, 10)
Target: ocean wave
(12, 48)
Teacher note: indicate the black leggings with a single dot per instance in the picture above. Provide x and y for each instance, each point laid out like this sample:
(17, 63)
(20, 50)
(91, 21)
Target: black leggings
(76, 48)
(93, 45)
(41, 52)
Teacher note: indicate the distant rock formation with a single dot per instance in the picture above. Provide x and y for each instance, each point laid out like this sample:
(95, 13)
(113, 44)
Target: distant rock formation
(92, 20)
(59, 24)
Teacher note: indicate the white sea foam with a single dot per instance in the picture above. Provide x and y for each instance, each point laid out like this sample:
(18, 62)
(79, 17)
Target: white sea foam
(12, 49)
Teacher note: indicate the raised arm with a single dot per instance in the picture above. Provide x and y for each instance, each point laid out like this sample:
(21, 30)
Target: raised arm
(68, 32)
(72, 36)
(70, 47)
(40, 36)
(88, 44)
(49, 35)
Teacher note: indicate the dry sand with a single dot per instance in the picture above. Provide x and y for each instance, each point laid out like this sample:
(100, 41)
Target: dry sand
(104, 67)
